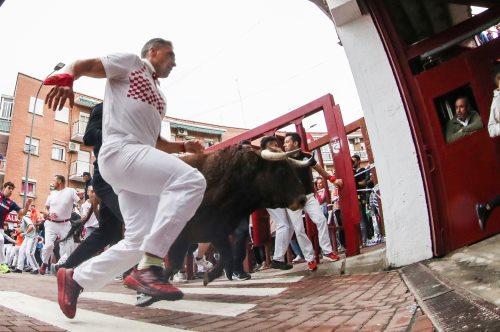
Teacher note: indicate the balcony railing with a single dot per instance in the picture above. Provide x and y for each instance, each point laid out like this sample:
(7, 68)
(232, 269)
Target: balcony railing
(5, 125)
(78, 130)
(76, 170)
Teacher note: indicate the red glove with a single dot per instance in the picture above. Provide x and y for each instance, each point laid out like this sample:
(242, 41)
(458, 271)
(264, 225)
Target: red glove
(332, 179)
(60, 80)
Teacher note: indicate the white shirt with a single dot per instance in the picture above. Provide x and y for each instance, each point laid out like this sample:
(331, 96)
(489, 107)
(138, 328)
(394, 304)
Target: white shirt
(25, 223)
(61, 202)
(92, 222)
(134, 106)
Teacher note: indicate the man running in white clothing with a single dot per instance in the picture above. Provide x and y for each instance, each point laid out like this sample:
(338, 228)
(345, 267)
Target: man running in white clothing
(158, 193)
(59, 206)
(27, 249)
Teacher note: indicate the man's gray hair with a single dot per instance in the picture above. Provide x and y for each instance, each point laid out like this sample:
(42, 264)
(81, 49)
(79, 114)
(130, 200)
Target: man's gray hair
(154, 43)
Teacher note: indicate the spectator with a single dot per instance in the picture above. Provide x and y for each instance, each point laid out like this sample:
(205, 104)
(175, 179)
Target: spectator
(362, 179)
(27, 249)
(465, 122)
(484, 210)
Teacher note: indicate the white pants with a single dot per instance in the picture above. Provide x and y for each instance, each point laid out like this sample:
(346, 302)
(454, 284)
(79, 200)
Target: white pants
(2, 250)
(52, 231)
(158, 194)
(314, 211)
(12, 255)
(285, 226)
(27, 251)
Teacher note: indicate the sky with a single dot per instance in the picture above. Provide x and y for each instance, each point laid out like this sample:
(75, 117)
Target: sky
(239, 63)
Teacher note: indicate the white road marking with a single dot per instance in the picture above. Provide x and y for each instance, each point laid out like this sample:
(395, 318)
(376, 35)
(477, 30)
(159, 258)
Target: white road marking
(253, 281)
(233, 291)
(84, 321)
(199, 307)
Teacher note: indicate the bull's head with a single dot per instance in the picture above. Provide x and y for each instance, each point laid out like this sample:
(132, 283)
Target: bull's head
(279, 182)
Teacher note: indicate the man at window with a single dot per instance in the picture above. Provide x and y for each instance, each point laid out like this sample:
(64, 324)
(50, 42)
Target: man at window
(465, 122)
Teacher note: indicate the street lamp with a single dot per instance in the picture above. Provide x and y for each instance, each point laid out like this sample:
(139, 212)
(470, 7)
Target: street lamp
(56, 68)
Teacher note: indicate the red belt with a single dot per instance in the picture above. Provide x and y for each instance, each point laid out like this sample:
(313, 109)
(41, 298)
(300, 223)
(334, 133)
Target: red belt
(60, 221)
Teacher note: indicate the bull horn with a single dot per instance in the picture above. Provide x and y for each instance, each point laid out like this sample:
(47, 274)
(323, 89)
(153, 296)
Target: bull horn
(272, 156)
(302, 163)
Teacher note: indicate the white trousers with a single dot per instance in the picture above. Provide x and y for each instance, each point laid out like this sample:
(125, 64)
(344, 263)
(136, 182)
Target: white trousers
(2, 250)
(27, 251)
(12, 255)
(52, 231)
(158, 194)
(285, 226)
(285, 218)
(315, 212)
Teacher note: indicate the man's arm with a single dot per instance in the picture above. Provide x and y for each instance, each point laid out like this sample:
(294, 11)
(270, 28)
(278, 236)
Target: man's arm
(452, 134)
(58, 95)
(325, 174)
(22, 212)
(475, 124)
(193, 146)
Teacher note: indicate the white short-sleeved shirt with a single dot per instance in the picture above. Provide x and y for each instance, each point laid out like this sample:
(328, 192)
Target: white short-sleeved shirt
(92, 222)
(134, 106)
(61, 202)
(25, 223)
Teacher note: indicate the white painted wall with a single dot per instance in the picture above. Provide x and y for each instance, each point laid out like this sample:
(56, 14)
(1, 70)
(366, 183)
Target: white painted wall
(405, 209)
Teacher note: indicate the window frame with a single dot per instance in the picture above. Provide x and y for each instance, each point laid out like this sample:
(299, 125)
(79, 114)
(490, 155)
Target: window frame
(39, 108)
(64, 109)
(26, 140)
(60, 147)
(31, 194)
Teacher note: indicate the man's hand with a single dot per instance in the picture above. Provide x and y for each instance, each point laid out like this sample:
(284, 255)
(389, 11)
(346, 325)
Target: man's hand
(339, 183)
(53, 216)
(57, 97)
(194, 146)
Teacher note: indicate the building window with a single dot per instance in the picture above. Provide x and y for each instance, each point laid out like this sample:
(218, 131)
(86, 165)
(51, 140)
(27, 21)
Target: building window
(62, 115)
(39, 106)
(35, 143)
(6, 109)
(58, 152)
(31, 187)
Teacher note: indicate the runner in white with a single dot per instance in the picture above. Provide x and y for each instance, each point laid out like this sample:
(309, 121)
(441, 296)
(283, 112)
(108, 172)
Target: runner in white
(27, 249)
(92, 223)
(158, 193)
(59, 206)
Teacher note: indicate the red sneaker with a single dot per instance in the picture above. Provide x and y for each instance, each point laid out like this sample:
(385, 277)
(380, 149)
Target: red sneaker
(152, 281)
(68, 291)
(312, 266)
(42, 269)
(332, 257)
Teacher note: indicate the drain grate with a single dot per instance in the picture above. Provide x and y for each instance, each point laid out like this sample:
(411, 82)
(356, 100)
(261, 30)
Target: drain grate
(448, 308)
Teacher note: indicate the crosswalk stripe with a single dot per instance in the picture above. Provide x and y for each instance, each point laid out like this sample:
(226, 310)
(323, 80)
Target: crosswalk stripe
(85, 320)
(267, 291)
(253, 281)
(199, 307)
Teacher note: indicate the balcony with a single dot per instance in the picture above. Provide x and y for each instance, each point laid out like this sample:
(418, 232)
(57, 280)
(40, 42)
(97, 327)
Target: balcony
(78, 130)
(76, 170)
(5, 126)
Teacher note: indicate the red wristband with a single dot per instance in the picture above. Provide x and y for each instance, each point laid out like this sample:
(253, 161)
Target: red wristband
(332, 179)
(183, 147)
(60, 80)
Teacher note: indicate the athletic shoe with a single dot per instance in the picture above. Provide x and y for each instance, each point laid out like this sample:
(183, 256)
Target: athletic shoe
(482, 215)
(202, 264)
(27, 269)
(241, 276)
(34, 272)
(280, 265)
(152, 281)
(17, 271)
(144, 300)
(4, 268)
(180, 278)
(332, 257)
(298, 260)
(43, 269)
(68, 291)
(312, 266)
